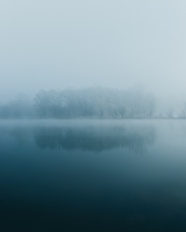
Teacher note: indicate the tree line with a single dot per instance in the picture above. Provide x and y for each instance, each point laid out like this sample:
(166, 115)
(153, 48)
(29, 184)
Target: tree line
(82, 103)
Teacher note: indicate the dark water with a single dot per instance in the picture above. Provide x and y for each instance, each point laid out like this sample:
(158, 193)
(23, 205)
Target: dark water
(65, 176)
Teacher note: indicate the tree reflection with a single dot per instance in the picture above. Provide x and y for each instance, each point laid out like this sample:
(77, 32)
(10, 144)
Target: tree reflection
(95, 138)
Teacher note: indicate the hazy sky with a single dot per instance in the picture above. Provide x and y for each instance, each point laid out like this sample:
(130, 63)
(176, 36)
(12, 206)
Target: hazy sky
(73, 43)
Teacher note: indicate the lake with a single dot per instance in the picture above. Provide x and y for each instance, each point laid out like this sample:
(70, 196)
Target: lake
(93, 175)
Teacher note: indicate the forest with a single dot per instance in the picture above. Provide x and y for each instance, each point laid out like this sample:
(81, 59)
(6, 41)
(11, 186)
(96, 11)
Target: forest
(95, 103)
(81, 103)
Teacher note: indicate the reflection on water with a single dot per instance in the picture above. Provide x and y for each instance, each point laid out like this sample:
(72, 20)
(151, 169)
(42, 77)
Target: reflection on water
(48, 182)
(95, 138)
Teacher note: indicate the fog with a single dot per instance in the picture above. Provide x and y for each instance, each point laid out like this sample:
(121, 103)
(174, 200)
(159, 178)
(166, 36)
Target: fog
(80, 44)
(92, 115)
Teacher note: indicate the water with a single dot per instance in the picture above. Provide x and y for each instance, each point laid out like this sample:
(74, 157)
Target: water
(93, 176)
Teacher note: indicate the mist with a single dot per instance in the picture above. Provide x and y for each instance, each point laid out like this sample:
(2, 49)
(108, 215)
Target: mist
(81, 44)
(92, 115)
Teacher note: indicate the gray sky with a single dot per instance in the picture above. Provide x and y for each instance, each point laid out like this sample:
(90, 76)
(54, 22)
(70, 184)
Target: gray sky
(73, 43)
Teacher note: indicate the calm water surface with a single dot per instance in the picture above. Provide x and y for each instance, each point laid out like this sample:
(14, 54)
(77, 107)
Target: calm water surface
(65, 176)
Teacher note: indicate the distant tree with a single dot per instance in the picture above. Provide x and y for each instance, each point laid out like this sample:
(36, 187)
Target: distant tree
(183, 111)
(19, 107)
(50, 103)
(170, 112)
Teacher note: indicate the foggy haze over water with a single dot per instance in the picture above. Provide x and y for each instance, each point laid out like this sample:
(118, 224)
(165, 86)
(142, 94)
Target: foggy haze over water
(116, 69)
(119, 44)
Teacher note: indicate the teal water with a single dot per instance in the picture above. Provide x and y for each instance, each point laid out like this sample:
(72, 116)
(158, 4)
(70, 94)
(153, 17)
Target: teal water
(88, 175)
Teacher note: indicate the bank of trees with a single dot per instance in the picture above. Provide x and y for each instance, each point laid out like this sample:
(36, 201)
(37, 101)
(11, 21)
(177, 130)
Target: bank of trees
(82, 103)
(19, 107)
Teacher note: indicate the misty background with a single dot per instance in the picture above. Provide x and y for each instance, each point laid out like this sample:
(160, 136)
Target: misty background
(81, 44)
(106, 71)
